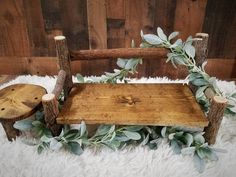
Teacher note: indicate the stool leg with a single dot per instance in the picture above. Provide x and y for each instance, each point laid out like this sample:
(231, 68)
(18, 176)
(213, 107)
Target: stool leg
(10, 131)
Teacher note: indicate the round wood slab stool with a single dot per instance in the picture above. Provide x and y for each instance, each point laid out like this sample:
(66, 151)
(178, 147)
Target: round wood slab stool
(18, 102)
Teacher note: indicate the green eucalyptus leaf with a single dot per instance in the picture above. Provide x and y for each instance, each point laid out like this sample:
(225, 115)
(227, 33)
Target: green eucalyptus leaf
(37, 123)
(121, 62)
(132, 44)
(178, 43)
(199, 164)
(112, 129)
(131, 63)
(114, 145)
(194, 75)
(39, 115)
(210, 155)
(121, 138)
(23, 125)
(189, 40)
(145, 140)
(163, 132)
(200, 91)
(113, 136)
(152, 39)
(156, 141)
(102, 130)
(141, 34)
(45, 139)
(55, 145)
(82, 128)
(152, 146)
(175, 146)
(75, 148)
(188, 150)
(80, 78)
(190, 50)
(179, 60)
(199, 82)
(132, 135)
(161, 34)
(201, 153)
(189, 139)
(173, 35)
(233, 109)
(171, 136)
(198, 138)
(40, 149)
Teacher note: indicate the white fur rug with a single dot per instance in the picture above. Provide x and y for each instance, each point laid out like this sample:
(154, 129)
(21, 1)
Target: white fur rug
(20, 160)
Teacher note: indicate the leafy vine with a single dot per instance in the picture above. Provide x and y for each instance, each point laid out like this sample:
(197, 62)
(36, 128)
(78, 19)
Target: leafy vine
(181, 140)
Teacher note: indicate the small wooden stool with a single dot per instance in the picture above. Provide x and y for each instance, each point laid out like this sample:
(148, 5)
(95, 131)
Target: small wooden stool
(18, 102)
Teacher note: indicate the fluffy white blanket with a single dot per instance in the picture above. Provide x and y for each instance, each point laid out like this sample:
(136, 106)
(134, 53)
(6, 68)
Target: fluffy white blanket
(18, 159)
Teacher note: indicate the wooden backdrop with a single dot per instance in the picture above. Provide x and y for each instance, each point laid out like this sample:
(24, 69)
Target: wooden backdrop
(27, 28)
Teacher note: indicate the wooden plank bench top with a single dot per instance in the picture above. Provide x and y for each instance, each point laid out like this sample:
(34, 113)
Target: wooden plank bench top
(132, 104)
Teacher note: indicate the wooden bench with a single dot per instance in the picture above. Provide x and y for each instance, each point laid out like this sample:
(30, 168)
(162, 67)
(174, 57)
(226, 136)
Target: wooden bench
(129, 104)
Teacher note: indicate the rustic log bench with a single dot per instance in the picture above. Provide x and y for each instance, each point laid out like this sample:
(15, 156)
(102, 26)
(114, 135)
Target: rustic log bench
(129, 104)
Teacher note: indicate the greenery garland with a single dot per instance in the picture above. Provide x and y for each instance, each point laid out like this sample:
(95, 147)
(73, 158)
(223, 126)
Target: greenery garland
(181, 140)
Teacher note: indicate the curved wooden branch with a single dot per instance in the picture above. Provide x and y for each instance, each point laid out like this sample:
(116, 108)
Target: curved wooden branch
(59, 83)
(118, 53)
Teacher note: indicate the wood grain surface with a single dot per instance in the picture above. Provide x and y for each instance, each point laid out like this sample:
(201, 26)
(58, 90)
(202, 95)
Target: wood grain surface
(19, 101)
(132, 104)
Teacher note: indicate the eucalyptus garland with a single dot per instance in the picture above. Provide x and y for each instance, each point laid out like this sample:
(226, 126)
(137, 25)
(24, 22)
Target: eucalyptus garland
(182, 140)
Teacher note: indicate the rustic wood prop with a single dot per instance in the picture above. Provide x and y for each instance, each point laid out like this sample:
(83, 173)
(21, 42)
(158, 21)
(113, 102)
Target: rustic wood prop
(18, 102)
(50, 104)
(200, 43)
(97, 54)
(132, 104)
(64, 62)
(215, 116)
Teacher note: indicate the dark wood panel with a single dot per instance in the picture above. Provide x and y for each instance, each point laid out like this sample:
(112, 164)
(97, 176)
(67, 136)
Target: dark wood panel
(14, 40)
(189, 17)
(165, 15)
(51, 15)
(115, 9)
(74, 22)
(220, 23)
(36, 30)
(97, 28)
(139, 16)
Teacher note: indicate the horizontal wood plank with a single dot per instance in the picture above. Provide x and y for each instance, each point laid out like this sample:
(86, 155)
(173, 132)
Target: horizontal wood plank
(133, 104)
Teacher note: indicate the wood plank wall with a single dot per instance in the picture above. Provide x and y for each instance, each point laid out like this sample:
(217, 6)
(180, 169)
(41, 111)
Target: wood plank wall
(27, 29)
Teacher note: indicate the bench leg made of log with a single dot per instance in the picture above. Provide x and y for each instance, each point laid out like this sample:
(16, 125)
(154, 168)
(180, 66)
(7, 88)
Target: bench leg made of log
(215, 117)
(51, 111)
(10, 131)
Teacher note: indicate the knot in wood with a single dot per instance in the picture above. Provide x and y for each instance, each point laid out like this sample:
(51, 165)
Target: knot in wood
(130, 100)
